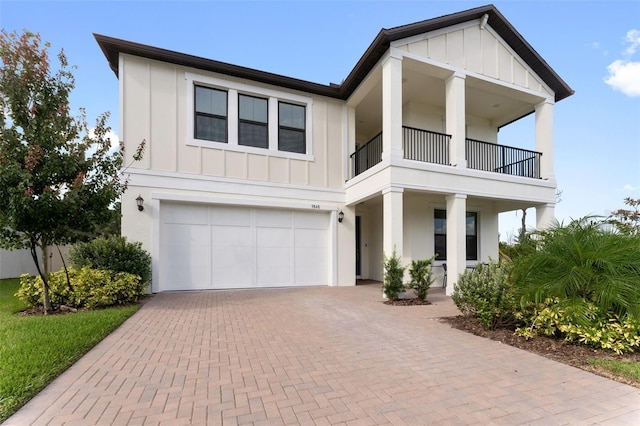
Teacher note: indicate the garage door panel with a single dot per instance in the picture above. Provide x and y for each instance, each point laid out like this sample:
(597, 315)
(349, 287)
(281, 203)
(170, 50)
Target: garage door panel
(311, 220)
(311, 266)
(186, 214)
(230, 216)
(232, 267)
(231, 236)
(273, 237)
(188, 277)
(187, 235)
(273, 218)
(311, 238)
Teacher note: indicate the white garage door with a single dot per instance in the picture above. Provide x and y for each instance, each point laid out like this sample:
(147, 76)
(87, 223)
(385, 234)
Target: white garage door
(215, 247)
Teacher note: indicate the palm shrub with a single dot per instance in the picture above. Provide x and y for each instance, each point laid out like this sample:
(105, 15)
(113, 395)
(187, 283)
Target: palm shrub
(487, 294)
(582, 283)
(393, 276)
(582, 263)
(113, 253)
(421, 278)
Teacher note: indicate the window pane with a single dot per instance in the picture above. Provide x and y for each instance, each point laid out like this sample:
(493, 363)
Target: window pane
(440, 221)
(291, 116)
(211, 101)
(291, 140)
(472, 247)
(211, 128)
(253, 109)
(250, 134)
(471, 223)
(440, 247)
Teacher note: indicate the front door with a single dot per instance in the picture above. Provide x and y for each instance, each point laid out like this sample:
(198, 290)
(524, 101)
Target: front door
(358, 266)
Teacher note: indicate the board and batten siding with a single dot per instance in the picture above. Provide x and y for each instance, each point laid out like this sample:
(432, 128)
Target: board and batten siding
(154, 108)
(481, 51)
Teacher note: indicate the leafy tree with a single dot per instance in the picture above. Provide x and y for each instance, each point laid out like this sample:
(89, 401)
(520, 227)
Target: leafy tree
(627, 221)
(57, 178)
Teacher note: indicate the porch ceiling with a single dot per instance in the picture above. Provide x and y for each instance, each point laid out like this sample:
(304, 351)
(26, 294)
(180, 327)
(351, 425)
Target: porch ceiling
(425, 84)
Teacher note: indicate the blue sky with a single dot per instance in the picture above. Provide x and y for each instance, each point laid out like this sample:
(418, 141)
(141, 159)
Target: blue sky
(597, 130)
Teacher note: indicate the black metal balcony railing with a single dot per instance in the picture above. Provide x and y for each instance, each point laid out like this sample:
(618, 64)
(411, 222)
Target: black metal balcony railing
(433, 147)
(367, 156)
(502, 159)
(425, 145)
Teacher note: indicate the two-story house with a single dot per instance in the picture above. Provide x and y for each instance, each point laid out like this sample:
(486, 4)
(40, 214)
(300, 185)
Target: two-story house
(252, 179)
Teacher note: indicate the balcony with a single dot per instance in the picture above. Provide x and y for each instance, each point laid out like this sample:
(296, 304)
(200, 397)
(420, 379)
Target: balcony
(433, 147)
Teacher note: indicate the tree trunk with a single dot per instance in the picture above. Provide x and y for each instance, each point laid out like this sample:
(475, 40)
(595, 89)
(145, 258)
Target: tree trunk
(523, 229)
(45, 284)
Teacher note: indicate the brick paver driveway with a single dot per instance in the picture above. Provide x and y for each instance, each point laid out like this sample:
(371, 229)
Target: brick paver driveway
(316, 356)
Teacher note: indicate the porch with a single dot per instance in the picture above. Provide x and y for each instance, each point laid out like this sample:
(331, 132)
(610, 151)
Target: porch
(433, 147)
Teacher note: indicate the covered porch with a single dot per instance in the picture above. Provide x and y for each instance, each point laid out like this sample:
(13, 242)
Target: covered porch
(460, 230)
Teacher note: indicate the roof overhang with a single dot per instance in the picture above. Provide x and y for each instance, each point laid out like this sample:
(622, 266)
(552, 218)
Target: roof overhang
(112, 47)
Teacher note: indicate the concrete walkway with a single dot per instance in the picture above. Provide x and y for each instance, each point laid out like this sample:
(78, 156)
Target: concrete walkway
(316, 356)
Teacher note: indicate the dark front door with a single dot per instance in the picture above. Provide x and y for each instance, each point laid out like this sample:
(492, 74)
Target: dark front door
(358, 267)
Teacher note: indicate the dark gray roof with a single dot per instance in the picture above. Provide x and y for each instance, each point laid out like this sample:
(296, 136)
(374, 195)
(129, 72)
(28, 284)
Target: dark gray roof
(112, 47)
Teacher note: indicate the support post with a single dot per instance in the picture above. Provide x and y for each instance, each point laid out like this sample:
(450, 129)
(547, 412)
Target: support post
(392, 199)
(392, 108)
(456, 119)
(456, 239)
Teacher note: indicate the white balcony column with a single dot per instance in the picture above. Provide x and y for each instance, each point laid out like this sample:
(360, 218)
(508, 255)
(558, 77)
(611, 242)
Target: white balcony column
(392, 108)
(350, 132)
(456, 119)
(456, 239)
(392, 211)
(545, 215)
(544, 138)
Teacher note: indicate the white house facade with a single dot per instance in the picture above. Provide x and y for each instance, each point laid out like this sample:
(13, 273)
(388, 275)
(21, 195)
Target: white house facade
(252, 179)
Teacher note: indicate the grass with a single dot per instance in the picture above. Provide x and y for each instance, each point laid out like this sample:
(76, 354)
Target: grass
(34, 350)
(627, 369)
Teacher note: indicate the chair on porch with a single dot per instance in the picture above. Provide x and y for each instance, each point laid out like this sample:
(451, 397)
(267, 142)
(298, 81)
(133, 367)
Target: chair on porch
(444, 278)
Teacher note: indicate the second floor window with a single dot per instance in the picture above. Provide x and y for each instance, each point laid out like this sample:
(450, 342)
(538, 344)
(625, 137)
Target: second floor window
(211, 114)
(253, 119)
(291, 128)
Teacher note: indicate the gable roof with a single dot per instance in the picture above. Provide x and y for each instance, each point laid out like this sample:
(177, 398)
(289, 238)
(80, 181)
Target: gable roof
(112, 47)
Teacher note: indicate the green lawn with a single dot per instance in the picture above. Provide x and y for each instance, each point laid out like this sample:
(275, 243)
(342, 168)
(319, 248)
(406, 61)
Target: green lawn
(36, 349)
(627, 369)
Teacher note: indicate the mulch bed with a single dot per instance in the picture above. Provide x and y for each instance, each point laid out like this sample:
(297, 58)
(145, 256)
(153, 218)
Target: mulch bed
(407, 302)
(568, 353)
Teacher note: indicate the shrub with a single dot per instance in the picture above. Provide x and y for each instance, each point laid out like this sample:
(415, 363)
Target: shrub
(393, 276)
(586, 324)
(582, 263)
(115, 254)
(487, 294)
(421, 278)
(90, 288)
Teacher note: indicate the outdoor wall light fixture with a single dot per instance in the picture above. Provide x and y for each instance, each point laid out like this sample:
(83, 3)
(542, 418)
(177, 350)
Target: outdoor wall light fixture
(140, 203)
(340, 216)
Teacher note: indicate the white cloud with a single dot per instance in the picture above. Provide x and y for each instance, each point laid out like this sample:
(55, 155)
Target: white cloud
(633, 37)
(624, 74)
(628, 187)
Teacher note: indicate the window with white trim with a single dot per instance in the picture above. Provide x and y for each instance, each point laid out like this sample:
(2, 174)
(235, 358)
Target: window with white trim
(253, 121)
(210, 121)
(236, 116)
(291, 127)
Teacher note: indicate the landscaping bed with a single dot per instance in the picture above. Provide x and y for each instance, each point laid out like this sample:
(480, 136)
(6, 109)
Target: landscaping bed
(573, 354)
